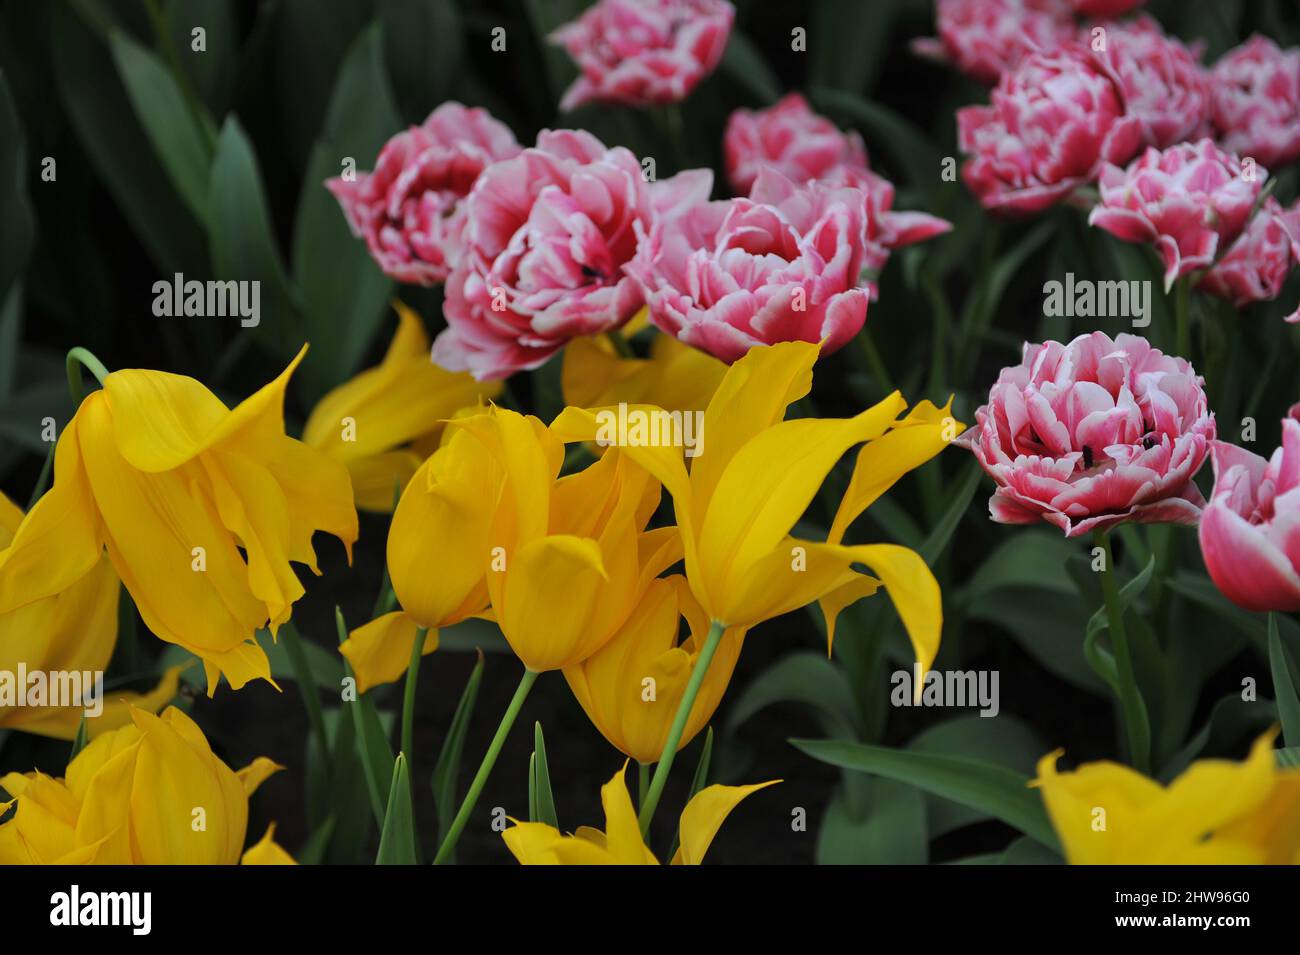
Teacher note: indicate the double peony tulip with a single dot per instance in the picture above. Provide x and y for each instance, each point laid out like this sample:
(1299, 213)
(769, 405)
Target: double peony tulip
(535, 843)
(1250, 530)
(1092, 434)
(985, 38)
(1215, 813)
(1256, 101)
(202, 510)
(643, 52)
(410, 211)
(150, 793)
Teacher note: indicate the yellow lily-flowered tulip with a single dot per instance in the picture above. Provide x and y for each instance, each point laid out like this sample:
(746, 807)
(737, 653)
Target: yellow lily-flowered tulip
(757, 474)
(611, 684)
(387, 419)
(674, 376)
(568, 561)
(535, 843)
(150, 793)
(267, 851)
(1217, 812)
(68, 632)
(202, 510)
(439, 546)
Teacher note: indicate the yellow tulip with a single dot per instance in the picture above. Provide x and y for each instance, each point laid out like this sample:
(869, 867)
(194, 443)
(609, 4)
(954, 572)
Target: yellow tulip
(1217, 812)
(387, 419)
(674, 376)
(756, 476)
(150, 793)
(267, 852)
(612, 687)
(535, 843)
(202, 510)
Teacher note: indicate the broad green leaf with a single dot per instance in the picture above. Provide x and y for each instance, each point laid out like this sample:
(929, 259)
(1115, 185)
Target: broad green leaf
(243, 241)
(214, 69)
(891, 832)
(448, 765)
(423, 42)
(995, 790)
(1031, 558)
(1288, 757)
(847, 42)
(542, 776)
(182, 139)
(806, 677)
(313, 853)
(397, 845)
(957, 508)
(1288, 705)
(744, 65)
(1232, 722)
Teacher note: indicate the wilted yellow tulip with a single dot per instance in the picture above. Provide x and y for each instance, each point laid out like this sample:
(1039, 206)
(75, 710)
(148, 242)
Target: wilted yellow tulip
(756, 475)
(150, 793)
(674, 376)
(202, 510)
(387, 419)
(535, 843)
(1217, 812)
(631, 687)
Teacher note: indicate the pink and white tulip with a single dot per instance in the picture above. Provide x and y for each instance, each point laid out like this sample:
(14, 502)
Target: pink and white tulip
(1191, 201)
(410, 209)
(1104, 8)
(1256, 101)
(644, 52)
(546, 237)
(985, 38)
(782, 265)
(1094, 433)
(1250, 530)
(1257, 265)
(1051, 124)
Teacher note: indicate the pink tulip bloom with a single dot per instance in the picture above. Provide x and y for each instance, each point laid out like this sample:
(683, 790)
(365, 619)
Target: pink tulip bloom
(1164, 85)
(1250, 530)
(546, 237)
(1258, 263)
(782, 265)
(1051, 124)
(410, 210)
(1256, 101)
(643, 52)
(1104, 8)
(802, 145)
(1191, 201)
(985, 38)
(1092, 434)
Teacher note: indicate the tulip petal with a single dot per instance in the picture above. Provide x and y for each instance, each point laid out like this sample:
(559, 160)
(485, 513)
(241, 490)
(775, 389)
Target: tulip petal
(704, 815)
(267, 851)
(380, 651)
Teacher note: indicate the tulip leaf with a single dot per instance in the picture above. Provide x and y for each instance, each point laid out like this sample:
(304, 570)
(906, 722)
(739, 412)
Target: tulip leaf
(1288, 757)
(1288, 705)
(1099, 658)
(806, 677)
(448, 765)
(313, 852)
(243, 241)
(17, 231)
(182, 140)
(1231, 721)
(907, 146)
(397, 845)
(698, 782)
(959, 504)
(545, 808)
(79, 741)
(744, 65)
(422, 45)
(848, 40)
(372, 740)
(891, 830)
(1000, 792)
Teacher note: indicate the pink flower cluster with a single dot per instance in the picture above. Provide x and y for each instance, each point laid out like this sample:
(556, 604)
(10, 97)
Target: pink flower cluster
(1094, 433)
(1256, 101)
(644, 52)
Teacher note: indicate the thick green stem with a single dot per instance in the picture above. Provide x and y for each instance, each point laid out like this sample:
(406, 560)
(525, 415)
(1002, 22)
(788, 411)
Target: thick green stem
(408, 694)
(1128, 694)
(651, 801)
(485, 768)
(642, 783)
(80, 356)
(307, 688)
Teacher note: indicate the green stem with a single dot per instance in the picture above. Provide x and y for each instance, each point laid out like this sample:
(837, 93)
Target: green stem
(1130, 703)
(1182, 314)
(642, 782)
(80, 356)
(651, 801)
(43, 479)
(408, 695)
(307, 688)
(874, 361)
(485, 768)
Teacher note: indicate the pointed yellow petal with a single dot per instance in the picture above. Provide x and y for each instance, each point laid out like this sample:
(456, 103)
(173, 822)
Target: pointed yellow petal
(380, 651)
(622, 833)
(267, 851)
(704, 815)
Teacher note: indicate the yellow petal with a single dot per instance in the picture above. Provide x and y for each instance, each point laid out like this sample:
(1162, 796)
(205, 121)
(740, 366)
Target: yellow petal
(257, 772)
(704, 815)
(267, 851)
(380, 651)
(549, 601)
(622, 832)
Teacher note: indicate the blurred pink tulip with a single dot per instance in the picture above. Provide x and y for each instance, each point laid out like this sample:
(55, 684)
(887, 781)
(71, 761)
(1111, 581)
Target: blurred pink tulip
(984, 38)
(1256, 101)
